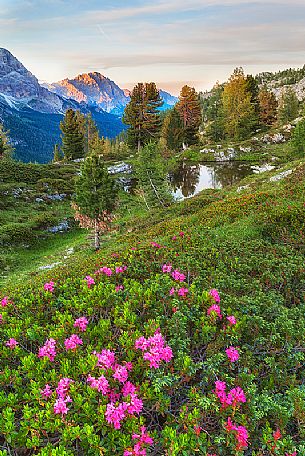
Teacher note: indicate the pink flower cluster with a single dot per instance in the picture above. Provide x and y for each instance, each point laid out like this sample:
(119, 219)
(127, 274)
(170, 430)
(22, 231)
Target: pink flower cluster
(116, 411)
(49, 286)
(155, 244)
(139, 448)
(232, 354)
(154, 349)
(177, 275)
(234, 397)
(1, 318)
(120, 269)
(104, 270)
(216, 310)
(215, 295)
(72, 342)
(5, 301)
(46, 392)
(90, 281)
(181, 291)
(101, 384)
(62, 390)
(12, 343)
(119, 288)
(167, 268)
(232, 320)
(48, 350)
(241, 434)
(81, 323)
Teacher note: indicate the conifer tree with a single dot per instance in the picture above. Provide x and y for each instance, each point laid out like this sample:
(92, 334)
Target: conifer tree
(189, 109)
(73, 138)
(171, 137)
(152, 177)
(96, 196)
(298, 138)
(142, 115)
(212, 111)
(6, 149)
(239, 113)
(288, 108)
(57, 155)
(267, 107)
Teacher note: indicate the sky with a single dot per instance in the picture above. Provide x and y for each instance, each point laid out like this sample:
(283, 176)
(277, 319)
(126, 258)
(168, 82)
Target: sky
(170, 42)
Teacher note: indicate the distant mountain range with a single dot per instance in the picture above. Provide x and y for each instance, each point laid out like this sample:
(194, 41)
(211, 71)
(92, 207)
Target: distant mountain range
(32, 111)
(97, 90)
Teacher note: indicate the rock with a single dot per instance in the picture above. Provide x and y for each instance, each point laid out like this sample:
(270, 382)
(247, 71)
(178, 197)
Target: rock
(280, 176)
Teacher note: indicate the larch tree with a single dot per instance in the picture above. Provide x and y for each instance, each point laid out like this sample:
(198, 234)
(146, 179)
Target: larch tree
(189, 109)
(267, 107)
(238, 111)
(171, 137)
(95, 197)
(73, 138)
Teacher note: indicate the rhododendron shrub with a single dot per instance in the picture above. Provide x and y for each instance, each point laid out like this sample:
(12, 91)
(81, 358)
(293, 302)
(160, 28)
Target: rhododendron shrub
(111, 362)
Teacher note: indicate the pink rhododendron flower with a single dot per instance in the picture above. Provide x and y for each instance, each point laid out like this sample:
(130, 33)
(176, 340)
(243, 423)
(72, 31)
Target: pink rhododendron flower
(291, 454)
(155, 349)
(12, 343)
(72, 342)
(183, 291)
(49, 286)
(234, 397)
(60, 407)
(128, 389)
(167, 268)
(241, 434)
(215, 308)
(5, 301)
(176, 275)
(121, 373)
(105, 270)
(232, 354)
(120, 269)
(215, 295)
(90, 281)
(154, 244)
(46, 392)
(48, 350)
(1, 318)
(139, 449)
(232, 320)
(172, 291)
(197, 430)
(135, 405)
(63, 387)
(101, 384)
(174, 238)
(81, 323)
(119, 288)
(105, 359)
(115, 414)
(181, 234)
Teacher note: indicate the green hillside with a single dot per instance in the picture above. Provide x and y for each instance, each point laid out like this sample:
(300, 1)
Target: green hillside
(246, 243)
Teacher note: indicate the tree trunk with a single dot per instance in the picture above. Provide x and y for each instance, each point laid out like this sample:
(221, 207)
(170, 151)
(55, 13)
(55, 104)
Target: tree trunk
(96, 236)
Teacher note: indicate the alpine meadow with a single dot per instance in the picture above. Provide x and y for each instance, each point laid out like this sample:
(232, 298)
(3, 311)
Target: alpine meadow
(152, 229)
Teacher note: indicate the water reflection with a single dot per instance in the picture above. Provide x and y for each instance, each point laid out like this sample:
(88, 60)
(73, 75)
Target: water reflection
(188, 179)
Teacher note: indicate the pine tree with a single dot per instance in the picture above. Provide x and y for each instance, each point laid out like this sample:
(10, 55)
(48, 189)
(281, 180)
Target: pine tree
(73, 138)
(298, 138)
(253, 89)
(152, 177)
(91, 134)
(6, 149)
(171, 137)
(288, 108)
(239, 113)
(212, 110)
(189, 109)
(142, 115)
(96, 196)
(57, 155)
(268, 107)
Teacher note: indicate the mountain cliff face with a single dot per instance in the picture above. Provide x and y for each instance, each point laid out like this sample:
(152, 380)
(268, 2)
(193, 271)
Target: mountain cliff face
(20, 89)
(95, 89)
(32, 113)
